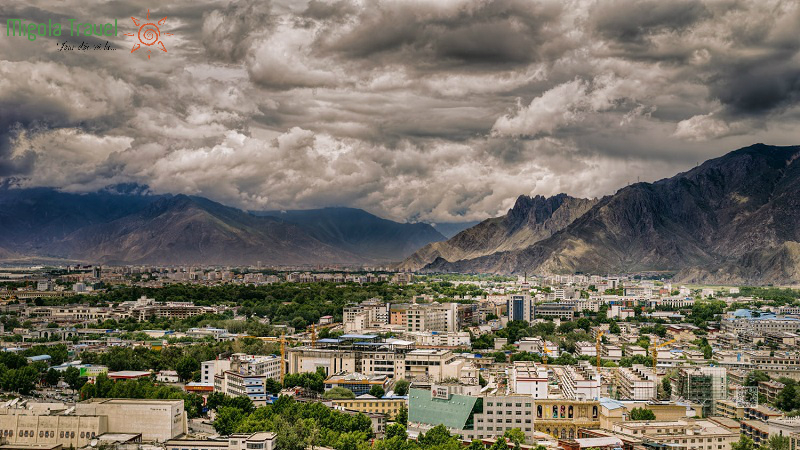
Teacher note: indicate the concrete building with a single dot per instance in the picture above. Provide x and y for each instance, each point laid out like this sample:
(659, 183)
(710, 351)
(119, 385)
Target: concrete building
(562, 311)
(368, 404)
(262, 440)
(636, 383)
(702, 385)
(428, 318)
(358, 383)
(685, 434)
(529, 378)
(520, 307)
(431, 364)
(210, 369)
(579, 382)
(21, 427)
(156, 420)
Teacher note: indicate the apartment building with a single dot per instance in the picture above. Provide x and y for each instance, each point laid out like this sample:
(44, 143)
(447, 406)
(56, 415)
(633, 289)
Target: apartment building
(636, 383)
(439, 339)
(529, 378)
(579, 382)
(366, 404)
(431, 364)
(236, 384)
(563, 311)
(610, 352)
(584, 348)
(430, 318)
(685, 434)
(247, 375)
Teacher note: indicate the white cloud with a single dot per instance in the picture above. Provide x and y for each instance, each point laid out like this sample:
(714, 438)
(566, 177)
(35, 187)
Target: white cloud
(702, 127)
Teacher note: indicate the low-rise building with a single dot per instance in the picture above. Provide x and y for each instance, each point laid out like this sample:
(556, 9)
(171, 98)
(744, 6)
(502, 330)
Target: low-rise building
(356, 382)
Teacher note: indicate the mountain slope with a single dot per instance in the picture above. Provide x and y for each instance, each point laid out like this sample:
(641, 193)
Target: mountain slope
(529, 221)
(450, 229)
(120, 224)
(736, 216)
(360, 232)
(31, 220)
(181, 229)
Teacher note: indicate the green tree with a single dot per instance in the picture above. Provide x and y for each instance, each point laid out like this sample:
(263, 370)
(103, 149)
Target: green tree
(613, 328)
(402, 416)
(437, 435)
(777, 442)
(515, 436)
(338, 393)
(376, 391)
(499, 444)
(22, 380)
(744, 443)
(186, 367)
(642, 414)
(52, 376)
(667, 386)
(787, 399)
(401, 387)
(272, 386)
(71, 377)
(754, 377)
(396, 429)
(227, 420)
(476, 445)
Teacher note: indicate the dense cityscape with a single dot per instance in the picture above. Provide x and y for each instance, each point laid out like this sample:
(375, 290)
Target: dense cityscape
(400, 225)
(187, 357)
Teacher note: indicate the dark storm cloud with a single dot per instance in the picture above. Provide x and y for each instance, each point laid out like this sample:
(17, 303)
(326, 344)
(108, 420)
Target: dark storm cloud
(229, 32)
(473, 33)
(629, 22)
(426, 110)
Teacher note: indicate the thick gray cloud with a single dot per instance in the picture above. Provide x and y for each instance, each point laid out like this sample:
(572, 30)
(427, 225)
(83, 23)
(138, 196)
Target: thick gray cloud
(439, 110)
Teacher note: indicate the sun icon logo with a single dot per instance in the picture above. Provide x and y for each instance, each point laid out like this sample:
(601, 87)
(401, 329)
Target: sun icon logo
(149, 35)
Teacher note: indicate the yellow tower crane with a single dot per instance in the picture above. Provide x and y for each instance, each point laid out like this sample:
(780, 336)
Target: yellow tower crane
(283, 358)
(313, 335)
(546, 351)
(597, 348)
(655, 351)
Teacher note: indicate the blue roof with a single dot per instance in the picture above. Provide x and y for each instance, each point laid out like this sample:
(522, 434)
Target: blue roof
(369, 343)
(328, 341)
(39, 358)
(610, 403)
(358, 336)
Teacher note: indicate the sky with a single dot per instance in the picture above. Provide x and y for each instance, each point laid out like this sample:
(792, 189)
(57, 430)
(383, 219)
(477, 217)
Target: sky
(435, 111)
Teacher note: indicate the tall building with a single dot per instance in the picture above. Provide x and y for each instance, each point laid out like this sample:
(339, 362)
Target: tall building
(702, 385)
(520, 307)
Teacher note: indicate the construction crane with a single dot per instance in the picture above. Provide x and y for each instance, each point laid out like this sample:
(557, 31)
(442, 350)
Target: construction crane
(546, 351)
(597, 348)
(313, 335)
(283, 358)
(655, 351)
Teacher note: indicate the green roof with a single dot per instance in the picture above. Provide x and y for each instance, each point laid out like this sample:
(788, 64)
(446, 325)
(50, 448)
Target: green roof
(455, 413)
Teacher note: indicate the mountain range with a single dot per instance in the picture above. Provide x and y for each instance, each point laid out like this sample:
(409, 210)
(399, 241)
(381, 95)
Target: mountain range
(531, 220)
(115, 227)
(732, 219)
